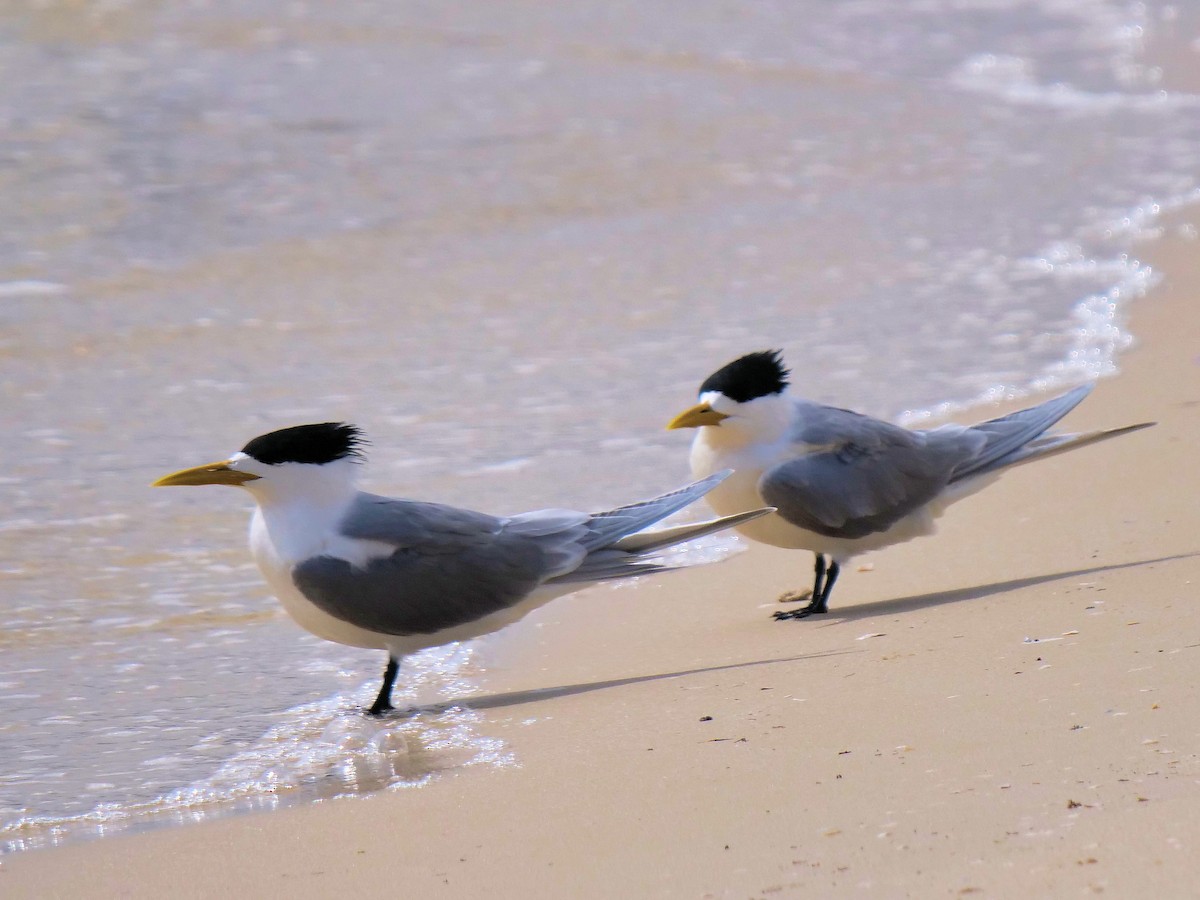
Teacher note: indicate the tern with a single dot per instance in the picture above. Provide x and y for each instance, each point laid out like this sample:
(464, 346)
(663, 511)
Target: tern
(401, 575)
(843, 483)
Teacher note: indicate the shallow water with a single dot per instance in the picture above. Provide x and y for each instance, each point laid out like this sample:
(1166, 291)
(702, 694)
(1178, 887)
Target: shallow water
(508, 241)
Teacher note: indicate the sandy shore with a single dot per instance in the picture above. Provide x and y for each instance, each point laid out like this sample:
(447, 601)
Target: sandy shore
(915, 742)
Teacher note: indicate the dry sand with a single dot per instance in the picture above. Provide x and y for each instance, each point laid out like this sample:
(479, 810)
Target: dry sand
(915, 742)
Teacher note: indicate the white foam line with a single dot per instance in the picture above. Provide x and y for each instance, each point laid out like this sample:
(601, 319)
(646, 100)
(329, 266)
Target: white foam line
(320, 750)
(1013, 80)
(1100, 336)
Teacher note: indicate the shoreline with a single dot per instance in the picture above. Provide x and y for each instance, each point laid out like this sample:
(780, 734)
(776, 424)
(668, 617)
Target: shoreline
(1004, 706)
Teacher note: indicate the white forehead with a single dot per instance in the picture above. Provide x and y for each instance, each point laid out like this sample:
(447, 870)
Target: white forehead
(244, 462)
(718, 401)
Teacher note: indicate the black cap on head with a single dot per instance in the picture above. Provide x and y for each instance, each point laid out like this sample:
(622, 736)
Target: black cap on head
(316, 444)
(753, 375)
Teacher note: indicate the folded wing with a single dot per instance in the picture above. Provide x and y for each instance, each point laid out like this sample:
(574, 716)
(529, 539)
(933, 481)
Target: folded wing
(452, 566)
(854, 476)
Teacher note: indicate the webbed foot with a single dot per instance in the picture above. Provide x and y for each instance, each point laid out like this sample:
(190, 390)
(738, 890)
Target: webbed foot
(813, 609)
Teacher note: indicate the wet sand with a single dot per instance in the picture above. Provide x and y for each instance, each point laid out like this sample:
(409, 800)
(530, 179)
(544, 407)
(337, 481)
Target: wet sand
(1009, 706)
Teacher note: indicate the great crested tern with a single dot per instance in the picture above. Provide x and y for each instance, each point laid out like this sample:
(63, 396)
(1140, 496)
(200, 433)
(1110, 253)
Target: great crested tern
(402, 575)
(844, 483)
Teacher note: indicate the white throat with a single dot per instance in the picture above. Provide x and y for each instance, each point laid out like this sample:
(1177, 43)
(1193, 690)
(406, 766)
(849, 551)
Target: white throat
(755, 435)
(299, 508)
(763, 421)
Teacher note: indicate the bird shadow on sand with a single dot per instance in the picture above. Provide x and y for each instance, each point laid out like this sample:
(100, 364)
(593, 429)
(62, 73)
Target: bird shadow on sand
(850, 613)
(923, 601)
(516, 698)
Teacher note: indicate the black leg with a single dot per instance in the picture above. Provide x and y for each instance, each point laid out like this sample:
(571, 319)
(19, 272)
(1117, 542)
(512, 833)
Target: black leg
(383, 703)
(825, 573)
(830, 577)
(818, 576)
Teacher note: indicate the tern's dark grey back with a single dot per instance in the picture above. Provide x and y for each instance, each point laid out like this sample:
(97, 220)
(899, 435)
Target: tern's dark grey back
(854, 475)
(450, 567)
(404, 522)
(820, 425)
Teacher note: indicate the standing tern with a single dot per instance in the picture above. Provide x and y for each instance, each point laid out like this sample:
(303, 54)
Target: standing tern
(843, 483)
(402, 575)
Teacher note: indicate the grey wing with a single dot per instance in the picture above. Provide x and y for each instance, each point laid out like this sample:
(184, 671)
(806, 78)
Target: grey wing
(450, 567)
(1018, 436)
(854, 475)
(425, 587)
(605, 528)
(404, 522)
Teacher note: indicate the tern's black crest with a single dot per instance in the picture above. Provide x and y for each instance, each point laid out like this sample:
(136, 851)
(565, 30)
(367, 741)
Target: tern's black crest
(753, 375)
(317, 444)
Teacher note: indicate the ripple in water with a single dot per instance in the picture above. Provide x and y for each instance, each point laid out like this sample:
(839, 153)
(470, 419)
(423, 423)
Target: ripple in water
(320, 751)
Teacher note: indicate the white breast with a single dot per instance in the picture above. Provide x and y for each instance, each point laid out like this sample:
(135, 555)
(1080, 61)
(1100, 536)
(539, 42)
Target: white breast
(279, 541)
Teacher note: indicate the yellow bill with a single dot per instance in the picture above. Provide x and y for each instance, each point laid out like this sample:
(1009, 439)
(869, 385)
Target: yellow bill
(213, 473)
(698, 415)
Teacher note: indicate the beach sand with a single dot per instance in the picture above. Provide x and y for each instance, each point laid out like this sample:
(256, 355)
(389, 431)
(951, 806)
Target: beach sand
(1008, 707)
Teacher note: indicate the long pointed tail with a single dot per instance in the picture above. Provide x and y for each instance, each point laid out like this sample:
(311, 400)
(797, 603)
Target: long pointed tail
(1021, 437)
(1053, 444)
(631, 555)
(1009, 434)
(647, 542)
(606, 527)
